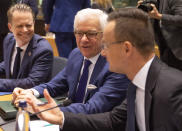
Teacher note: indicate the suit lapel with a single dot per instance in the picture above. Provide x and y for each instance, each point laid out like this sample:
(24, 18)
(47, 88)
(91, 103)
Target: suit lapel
(97, 69)
(77, 67)
(150, 85)
(10, 49)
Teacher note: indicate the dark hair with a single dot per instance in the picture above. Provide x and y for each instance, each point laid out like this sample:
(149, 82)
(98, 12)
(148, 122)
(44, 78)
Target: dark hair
(134, 25)
(20, 8)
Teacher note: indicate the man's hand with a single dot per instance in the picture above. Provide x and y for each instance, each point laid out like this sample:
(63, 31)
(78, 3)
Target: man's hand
(54, 116)
(155, 13)
(139, 2)
(20, 94)
(16, 92)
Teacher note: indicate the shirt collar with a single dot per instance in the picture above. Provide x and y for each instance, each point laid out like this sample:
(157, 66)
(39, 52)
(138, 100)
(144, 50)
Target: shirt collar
(140, 78)
(93, 59)
(24, 47)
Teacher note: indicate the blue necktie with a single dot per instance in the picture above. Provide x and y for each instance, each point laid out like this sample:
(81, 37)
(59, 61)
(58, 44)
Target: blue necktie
(17, 63)
(82, 83)
(131, 107)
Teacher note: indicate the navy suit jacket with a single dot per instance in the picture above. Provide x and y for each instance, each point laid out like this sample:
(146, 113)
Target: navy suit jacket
(32, 4)
(110, 91)
(163, 104)
(60, 13)
(36, 65)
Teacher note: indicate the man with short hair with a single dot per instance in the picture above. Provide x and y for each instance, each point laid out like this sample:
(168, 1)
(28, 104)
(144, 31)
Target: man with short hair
(28, 57)
(102, 90)
(153, 98)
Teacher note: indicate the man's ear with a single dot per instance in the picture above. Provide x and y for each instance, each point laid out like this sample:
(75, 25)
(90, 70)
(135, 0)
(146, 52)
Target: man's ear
(127, 47)
(10, 27)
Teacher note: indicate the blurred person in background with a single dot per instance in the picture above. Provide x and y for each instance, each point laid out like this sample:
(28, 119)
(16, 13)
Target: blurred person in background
(59, 16)
(32, 3)
(167, 16)
(105, 5)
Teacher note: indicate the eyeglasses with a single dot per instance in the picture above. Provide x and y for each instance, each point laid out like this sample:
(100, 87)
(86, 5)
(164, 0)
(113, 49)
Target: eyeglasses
(106, 45)
(89, 35)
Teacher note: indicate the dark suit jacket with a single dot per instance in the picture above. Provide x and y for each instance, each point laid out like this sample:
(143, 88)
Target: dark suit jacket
(171, 25)
(163, 105)
(110, 91)
(36, 65)
(60, 13)
(32, 4)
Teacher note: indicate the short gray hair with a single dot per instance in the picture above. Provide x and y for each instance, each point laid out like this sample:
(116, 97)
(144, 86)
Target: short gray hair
(86, 13)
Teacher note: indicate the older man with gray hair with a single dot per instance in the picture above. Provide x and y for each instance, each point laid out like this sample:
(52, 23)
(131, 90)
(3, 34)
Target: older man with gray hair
(153, 98)
(85, 68)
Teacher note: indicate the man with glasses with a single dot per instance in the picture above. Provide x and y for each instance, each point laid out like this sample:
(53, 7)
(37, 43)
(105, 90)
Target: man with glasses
(93, 89)
(154, 98)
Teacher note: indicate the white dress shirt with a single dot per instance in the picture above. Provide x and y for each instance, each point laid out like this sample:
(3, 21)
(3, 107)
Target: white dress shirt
(140, 81)
(91, 68)
(21, 55)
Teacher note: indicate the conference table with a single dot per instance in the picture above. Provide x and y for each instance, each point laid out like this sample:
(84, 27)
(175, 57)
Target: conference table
(7, 127)
(10, 126)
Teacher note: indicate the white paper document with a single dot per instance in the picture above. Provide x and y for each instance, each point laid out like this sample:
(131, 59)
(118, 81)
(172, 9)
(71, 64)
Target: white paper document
(38, 125)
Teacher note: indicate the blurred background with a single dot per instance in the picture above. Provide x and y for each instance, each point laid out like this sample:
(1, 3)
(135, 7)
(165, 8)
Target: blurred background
(39, 29)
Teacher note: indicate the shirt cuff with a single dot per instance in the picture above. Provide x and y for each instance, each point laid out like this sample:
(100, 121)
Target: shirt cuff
(35, 92)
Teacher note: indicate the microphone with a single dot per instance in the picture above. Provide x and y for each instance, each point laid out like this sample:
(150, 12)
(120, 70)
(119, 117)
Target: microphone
(66, 102)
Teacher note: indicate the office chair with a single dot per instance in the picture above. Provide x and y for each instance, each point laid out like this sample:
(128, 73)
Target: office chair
(58, 65)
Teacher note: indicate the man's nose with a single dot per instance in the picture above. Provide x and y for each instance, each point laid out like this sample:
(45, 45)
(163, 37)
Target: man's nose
(84, 37)
(25, 28)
